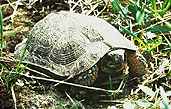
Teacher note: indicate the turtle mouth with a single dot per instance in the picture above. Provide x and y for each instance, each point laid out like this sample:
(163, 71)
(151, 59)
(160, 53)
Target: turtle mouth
(112, 63)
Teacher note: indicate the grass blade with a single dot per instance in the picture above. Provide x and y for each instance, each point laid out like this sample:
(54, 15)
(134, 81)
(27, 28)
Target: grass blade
(1, 31)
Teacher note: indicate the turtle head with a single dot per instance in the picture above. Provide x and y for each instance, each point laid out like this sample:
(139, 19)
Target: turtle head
(112, 62)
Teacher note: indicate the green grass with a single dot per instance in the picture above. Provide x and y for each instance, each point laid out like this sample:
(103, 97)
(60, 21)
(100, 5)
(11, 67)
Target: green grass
(1, 31)
(147, 23)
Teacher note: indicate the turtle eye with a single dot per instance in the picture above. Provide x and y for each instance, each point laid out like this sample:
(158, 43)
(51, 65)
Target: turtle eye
(116, 58)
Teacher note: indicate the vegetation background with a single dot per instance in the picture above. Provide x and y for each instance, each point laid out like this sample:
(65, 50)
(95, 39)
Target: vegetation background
(145, 22)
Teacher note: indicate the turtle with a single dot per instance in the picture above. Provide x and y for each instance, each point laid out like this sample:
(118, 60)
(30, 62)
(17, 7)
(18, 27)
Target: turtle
(71, 44)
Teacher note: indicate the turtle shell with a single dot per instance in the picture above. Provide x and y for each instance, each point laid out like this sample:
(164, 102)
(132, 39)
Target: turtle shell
(71, 43)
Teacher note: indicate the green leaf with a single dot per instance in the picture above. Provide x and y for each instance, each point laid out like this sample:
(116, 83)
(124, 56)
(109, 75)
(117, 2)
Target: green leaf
(165, 7)
(153, 43)
(133, 9)
(140, 17)
(147, 90)
(1, 33)
(159, 28)
(117, 7)
(153, 5)
(3, 45)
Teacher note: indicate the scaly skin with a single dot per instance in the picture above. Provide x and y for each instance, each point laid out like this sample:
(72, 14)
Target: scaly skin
(137, 68)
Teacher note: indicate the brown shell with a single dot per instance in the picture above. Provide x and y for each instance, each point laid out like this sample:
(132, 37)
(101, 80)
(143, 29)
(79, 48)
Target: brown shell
(71, 43)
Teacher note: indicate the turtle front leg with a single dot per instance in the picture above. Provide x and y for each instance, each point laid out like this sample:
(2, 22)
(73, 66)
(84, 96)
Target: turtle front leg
(137, 67)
